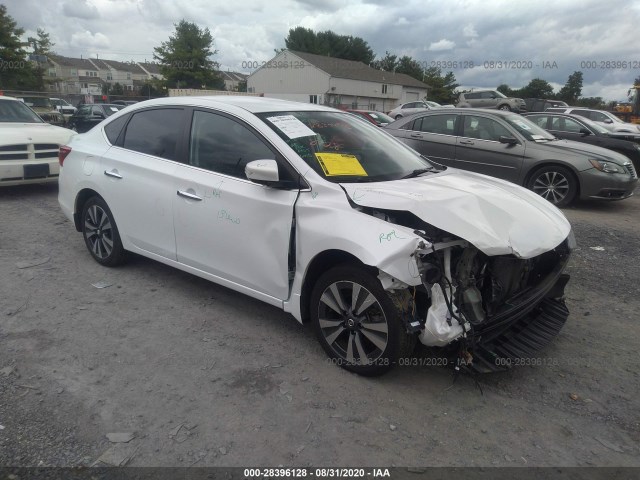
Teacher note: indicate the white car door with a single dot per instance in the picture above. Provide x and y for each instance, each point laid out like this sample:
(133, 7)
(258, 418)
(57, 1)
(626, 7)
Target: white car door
(138, 181)
(226, 225)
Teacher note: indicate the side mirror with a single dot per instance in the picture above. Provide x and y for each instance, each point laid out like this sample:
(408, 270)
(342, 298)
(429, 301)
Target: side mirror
(264, 172)
(608, 120)
(508, 140)
(584, 132)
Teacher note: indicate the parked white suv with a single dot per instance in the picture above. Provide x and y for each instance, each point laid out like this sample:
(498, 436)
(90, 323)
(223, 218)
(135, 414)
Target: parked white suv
(28, 146)
(490, 99)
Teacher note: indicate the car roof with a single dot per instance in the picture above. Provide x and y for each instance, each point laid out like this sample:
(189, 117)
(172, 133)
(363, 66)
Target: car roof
(3, 97)
(449, 111)
(251, 104)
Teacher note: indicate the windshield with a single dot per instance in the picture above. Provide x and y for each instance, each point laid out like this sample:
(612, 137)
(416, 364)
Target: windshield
(613, 117)
(110, 109)
(434, 104)
(498, 94)
(341, 148)
(17, 112)
(38, 102)
(381, 117)
(528, 129)
(594, 126)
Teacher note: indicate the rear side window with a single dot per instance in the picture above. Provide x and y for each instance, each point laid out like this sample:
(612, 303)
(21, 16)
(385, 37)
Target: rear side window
(155, 132)
(114, 128)
(443, 124)
(541, 121)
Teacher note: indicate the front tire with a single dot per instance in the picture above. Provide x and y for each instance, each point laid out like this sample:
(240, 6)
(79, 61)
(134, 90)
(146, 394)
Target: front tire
(504, 107)
(555, 184)
(356, 321)
(101, 234)
(398, 117)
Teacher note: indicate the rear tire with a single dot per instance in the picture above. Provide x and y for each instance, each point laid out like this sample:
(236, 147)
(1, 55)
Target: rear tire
(554, 183)
(101, 234)
(398, 117)
(504, 107)
(356, 321)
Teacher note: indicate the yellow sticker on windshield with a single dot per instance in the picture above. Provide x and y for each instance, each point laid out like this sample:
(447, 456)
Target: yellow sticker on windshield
(337, 164)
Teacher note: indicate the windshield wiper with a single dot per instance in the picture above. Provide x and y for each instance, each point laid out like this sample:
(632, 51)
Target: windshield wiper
(419, 171)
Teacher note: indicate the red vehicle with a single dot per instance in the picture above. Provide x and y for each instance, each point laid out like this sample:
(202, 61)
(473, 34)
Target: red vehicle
(377, 118)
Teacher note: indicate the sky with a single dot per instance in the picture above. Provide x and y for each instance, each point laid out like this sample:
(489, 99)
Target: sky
(524, 39)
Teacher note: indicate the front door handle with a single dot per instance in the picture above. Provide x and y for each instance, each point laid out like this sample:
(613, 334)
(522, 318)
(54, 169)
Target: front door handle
(466, 142)
(189, 195)
(112, 173)
(416, 135)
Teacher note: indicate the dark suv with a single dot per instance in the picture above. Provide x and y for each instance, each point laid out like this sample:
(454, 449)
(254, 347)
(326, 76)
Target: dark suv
(490, 99)
(89, 115)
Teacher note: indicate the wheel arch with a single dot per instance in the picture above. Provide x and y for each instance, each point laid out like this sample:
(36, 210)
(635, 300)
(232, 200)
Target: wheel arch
(553, 163)
(322, 262)
(82, 196)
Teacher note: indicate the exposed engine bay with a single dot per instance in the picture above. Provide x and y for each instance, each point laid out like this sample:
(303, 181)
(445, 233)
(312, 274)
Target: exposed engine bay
(487, 307)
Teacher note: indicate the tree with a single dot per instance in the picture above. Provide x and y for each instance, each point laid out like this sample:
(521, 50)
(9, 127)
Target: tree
(388, 63)
(42, 44)
(242, 86)
(16, 71)
(443, 88)
(572, 90)
(329, 43)
(116, 89)
(186, 58)
(411, 67)
(505, 90)
(537, 88)
(591, 102)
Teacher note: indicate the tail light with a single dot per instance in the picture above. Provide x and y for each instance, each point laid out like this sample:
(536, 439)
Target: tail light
(62, 153)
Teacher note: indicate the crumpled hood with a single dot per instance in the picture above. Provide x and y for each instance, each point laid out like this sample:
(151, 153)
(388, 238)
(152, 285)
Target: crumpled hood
(21, 133)
(497, 217)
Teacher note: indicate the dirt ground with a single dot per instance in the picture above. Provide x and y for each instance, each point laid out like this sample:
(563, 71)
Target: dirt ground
(201, 375)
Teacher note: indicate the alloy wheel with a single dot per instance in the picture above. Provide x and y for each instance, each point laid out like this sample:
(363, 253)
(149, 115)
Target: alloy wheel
(98, 231)
(353, 323)
(552, 186)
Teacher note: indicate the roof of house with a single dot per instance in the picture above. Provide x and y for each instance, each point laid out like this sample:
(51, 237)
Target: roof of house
(233, 76)
(338, 67)
(90, 79)
(121, 66)
(151, 67)
(72, 62)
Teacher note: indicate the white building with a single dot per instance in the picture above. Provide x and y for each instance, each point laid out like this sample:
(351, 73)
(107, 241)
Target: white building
(309, 78)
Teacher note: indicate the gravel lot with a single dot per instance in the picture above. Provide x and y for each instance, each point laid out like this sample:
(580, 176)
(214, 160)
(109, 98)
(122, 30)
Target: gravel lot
(201, 375)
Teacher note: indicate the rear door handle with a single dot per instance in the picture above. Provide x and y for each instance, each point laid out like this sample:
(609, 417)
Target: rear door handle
(466, 142)
(416, 135)
(112, 173)
(189, 195)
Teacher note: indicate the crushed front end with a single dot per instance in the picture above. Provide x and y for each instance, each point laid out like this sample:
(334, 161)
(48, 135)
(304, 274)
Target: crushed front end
(504, 309)
(485, 312)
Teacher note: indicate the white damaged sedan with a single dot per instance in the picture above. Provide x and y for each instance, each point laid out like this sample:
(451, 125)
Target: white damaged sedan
(314, 211)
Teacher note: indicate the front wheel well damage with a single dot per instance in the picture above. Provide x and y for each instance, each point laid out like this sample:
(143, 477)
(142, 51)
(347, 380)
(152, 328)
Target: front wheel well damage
(320, 264)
